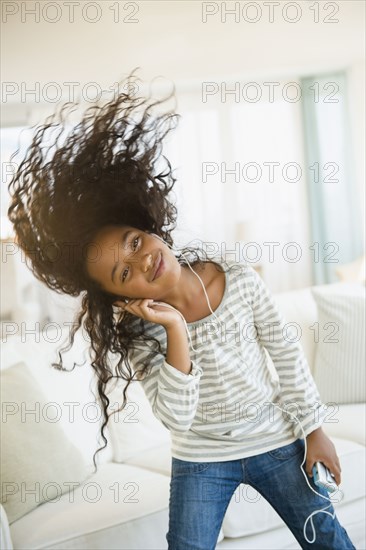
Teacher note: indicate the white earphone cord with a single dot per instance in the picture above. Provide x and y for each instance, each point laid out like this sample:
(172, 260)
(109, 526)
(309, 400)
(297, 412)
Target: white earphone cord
(322, 510)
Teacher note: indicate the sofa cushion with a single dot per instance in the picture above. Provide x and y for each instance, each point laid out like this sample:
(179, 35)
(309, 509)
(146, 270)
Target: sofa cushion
(37, 459)
(339, 369)
(346, 421)
(73, 390)
(158, 459)
(121, 506)
(135, 429)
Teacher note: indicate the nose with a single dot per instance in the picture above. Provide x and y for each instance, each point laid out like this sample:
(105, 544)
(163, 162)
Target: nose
(147, 262)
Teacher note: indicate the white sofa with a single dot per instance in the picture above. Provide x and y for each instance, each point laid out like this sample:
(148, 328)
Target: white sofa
(131, 511)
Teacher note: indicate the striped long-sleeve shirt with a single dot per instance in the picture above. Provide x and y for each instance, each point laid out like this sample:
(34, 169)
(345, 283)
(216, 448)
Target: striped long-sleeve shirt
(224, 408)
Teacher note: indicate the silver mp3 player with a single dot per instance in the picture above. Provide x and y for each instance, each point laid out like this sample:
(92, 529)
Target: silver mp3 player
(323, 477)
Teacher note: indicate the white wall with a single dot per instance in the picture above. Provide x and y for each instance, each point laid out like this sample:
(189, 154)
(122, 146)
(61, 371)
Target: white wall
(171, 39)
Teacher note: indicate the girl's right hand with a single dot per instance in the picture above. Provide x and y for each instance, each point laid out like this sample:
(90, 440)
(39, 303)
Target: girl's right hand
(148, 310)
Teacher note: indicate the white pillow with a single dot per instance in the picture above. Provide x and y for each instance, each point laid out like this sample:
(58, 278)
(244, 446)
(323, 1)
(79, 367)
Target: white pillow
(74, 391)
(339, 370)
(35, 453)
(134, 430)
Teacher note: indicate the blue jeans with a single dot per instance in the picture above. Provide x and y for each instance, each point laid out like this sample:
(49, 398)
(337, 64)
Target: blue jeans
(200, 493)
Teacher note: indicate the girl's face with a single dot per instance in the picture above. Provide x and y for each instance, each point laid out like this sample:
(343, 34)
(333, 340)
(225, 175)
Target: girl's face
(126, 260)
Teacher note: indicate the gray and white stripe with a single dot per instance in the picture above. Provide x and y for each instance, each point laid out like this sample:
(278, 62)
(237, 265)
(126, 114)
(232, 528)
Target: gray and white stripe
(224, 409)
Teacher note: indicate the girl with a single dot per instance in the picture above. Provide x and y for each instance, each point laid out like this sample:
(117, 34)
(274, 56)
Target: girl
(95, 219)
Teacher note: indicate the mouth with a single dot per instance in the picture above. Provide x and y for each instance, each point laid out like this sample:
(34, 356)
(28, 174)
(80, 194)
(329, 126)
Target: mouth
(158, 265)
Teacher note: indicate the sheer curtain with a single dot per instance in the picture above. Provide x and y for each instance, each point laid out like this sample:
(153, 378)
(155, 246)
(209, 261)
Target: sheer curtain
(336, 223)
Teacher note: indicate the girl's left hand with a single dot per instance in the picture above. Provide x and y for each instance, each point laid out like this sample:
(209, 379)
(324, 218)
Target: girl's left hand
(321, 448)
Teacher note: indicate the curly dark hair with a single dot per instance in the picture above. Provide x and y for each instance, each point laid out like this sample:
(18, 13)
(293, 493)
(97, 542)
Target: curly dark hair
(104, 173)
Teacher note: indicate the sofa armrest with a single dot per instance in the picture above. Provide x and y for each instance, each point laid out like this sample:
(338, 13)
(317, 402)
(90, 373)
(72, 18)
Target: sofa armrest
(5, 538)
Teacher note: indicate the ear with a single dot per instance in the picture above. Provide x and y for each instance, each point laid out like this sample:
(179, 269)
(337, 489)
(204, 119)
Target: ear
(157, 236)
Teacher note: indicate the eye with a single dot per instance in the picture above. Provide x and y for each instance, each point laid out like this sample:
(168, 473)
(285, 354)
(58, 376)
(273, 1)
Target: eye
(123, 276)
(135, 242)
